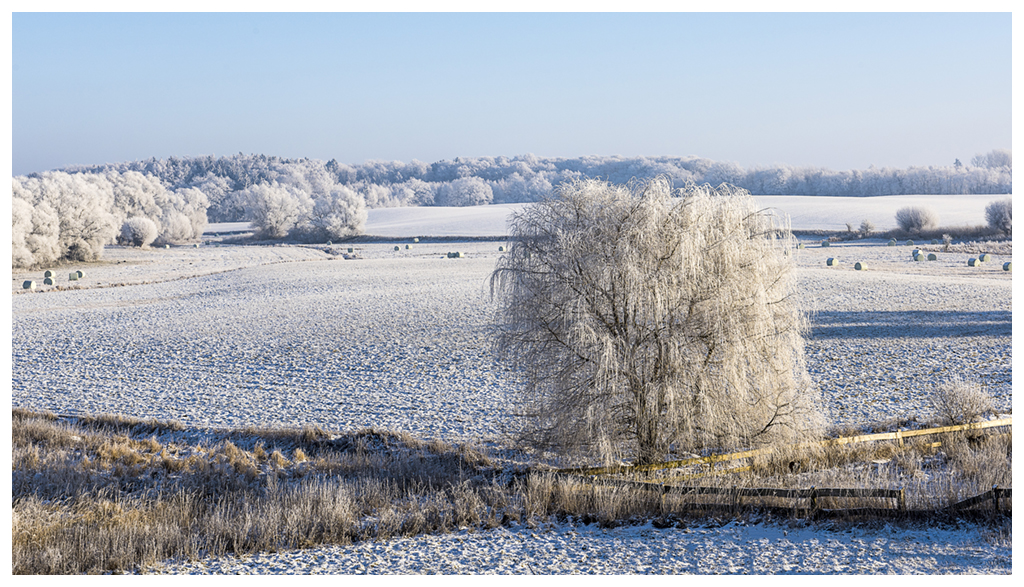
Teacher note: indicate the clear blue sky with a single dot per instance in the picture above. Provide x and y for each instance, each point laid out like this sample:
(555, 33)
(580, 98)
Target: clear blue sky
(843, 91)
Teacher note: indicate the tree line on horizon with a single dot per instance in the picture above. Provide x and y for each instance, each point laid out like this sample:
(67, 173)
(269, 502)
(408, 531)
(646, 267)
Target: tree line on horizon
(72, 212)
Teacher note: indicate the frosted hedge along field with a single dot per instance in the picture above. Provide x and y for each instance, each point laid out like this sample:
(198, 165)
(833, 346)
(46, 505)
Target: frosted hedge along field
(295, 335)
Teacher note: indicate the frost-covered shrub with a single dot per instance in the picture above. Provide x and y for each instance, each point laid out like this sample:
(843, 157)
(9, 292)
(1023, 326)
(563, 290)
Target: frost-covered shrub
(999, 214)
(645, 321)
(915, 219)
(274, 209)
(138, 231)
(959, 401)
(35, 233)
(465, 191)
(82, 204)
(340, 213)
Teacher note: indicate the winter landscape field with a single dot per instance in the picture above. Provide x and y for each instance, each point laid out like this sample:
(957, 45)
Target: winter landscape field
(393, 334)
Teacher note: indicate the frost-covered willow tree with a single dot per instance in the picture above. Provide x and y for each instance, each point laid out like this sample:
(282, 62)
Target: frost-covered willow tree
(647, 320)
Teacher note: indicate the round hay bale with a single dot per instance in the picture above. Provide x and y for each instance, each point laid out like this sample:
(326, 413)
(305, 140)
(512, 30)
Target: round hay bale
(29, 285)
(860, 266)
(407, 247)
(932, 257)
(48, 273)
(398, 248)
(831, 261)
(48, 281)
(1007, 266)
(329, 243)
(920, 257)
(800, 246)
(167, 246)
(825, 243)
(984, 257)
(80, 274)
(910, 243)
(972, 262)
(915, 253)
(935, 241)
(892, 243)
(416, 240)
(501, 249)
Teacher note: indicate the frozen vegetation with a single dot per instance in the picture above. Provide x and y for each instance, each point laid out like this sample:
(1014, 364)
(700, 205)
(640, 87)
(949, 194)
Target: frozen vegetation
(288, 335)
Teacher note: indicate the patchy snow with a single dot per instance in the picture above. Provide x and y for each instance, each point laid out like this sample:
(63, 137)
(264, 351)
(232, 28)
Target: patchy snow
(749, 549)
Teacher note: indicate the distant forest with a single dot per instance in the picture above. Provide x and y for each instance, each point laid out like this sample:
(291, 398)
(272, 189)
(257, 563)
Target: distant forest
(498, 180)
(74, 212)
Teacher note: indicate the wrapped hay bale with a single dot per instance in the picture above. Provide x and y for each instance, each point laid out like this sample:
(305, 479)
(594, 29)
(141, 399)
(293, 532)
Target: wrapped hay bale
(932, 257)
(416, 240)
(910, 243)
(859, 266)
(831, 261)
(73, 276)
(915, 253)
(80, 274)
(351, 250)
(48, 281)
(501, 249)
(1006, 266)
(398, 248)
(195, 246)
(892, 242)
(825, 243)
(972, 262)
(167, 246)
(920, 257)
(29, 285)
(800, 246)
(984, 257)
(48, 273)
(407, 247)
(935, 241)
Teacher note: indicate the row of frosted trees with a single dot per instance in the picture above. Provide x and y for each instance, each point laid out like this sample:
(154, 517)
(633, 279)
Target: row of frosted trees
(526, 178)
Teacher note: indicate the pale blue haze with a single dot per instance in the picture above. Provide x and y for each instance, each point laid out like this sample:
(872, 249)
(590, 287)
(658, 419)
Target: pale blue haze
(843, 91)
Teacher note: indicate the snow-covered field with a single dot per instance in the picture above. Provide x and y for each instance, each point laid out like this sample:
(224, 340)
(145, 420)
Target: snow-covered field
(292, 335)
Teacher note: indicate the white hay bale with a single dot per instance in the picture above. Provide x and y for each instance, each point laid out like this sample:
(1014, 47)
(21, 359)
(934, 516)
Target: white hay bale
(825, 243)
(416, 240)
(48, 273)
(915, 253)
(920, 257)
(167, 246)
(860, 266)
(800, 246)
(329, 243)
(984, 257)
(73, 276)
(407, 247)
(935, 241)
(398, 248)
(1007, 266)
(351, 250)
(831, 261)
(195, 246)
(501, 249)
(892, 243)
(48, 281)
(29, 285)
(933, 257)
(910, 243)
(972, 262)
(80, 274)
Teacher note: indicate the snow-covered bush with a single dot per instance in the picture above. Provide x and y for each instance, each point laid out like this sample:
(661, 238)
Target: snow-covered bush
(338, 214)
(916, 219)
(645, 322)
(274, 209)
(465, 191)
(959, 401)
(999, 215)
(35, 234)
(138, 231)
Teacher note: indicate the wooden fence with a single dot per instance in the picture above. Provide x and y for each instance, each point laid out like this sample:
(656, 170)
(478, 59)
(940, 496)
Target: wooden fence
(898, 436)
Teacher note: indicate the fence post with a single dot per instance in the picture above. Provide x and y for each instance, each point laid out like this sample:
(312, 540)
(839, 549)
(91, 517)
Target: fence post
(902, 500)
(814, 500)
(995, 497)
(899, 437)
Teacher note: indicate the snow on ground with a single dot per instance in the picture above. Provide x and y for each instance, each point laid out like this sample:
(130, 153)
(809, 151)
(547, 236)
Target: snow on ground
(291, 335)
(752, 549)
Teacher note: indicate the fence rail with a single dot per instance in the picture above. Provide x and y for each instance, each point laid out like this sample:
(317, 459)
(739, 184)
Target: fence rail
(898, 436)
